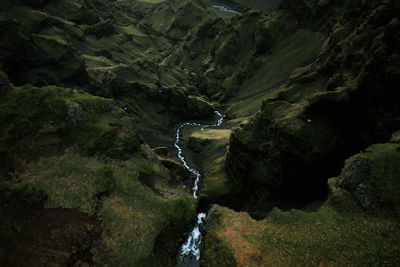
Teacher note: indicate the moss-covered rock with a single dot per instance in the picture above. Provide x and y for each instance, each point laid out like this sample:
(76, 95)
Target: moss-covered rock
(66, 149)
(49, 118)
(327, 112)
(339, 233)
(373, 179)
(351, 227)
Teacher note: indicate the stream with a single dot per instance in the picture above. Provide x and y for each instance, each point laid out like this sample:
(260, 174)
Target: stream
(226, 9)
(189, 253)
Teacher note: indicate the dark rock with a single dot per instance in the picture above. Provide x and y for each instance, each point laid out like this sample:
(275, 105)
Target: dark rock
(372, 177)
(5, 84)
(352, 179)
(300, 139)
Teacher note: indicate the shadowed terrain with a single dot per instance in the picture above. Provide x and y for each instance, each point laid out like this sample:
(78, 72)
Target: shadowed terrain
(92, 93)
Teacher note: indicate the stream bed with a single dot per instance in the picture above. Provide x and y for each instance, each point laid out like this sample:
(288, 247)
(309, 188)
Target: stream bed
(189, 253)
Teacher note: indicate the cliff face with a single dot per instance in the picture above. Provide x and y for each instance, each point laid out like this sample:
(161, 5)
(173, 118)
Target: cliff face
(357, 224)
(342, 102)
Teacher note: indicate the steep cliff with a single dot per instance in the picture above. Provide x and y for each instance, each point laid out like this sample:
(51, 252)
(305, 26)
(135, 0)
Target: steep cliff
(344, 101)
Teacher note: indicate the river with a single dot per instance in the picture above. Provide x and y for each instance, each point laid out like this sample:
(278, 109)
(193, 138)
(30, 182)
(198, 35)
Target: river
(226, 9)
(189, 253)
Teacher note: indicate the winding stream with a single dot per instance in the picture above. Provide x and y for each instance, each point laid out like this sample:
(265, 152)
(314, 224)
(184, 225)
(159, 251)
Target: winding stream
(226, 9)
(189, 253)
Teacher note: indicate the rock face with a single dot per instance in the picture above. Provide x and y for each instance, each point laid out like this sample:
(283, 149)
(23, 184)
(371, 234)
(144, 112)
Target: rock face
(360, 214)
(344, 101)
(375, 188)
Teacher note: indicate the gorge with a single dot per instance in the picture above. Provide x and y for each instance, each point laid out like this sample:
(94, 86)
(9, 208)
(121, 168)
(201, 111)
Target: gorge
(189, 253)
(114, 150)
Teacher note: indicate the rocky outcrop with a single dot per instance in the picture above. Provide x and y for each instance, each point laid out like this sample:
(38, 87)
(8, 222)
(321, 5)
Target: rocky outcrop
(362, 205)
(376, 188)
(344, 101)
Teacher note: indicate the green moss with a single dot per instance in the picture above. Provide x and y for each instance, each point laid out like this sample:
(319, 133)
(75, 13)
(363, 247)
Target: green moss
(351, 227)
(85, 154)
(207, 148)
(227, 50)
(217, 253)
(38, 121)
(28, 192)
(101, 29)
(373, 178)
(134, 216)
(70, 181)
(97, 61)
(29, 17)
(264, 82)
(324, 237)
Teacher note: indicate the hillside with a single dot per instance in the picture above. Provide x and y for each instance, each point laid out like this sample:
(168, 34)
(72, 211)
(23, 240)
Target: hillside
(94, 93)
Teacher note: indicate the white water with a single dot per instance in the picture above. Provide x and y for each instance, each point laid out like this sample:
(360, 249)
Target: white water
(191, 248)
(225, 9)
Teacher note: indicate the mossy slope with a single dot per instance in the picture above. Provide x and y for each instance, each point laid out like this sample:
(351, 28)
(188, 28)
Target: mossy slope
(66, 149)
(344, 231)
(341, 103)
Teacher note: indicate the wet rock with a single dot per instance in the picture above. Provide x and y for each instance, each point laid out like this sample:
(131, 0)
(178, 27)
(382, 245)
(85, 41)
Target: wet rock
(212, 219)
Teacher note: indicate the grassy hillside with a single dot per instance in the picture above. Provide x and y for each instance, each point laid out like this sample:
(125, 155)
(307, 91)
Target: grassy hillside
(358, 224)
(91, 93)
(78, 156)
